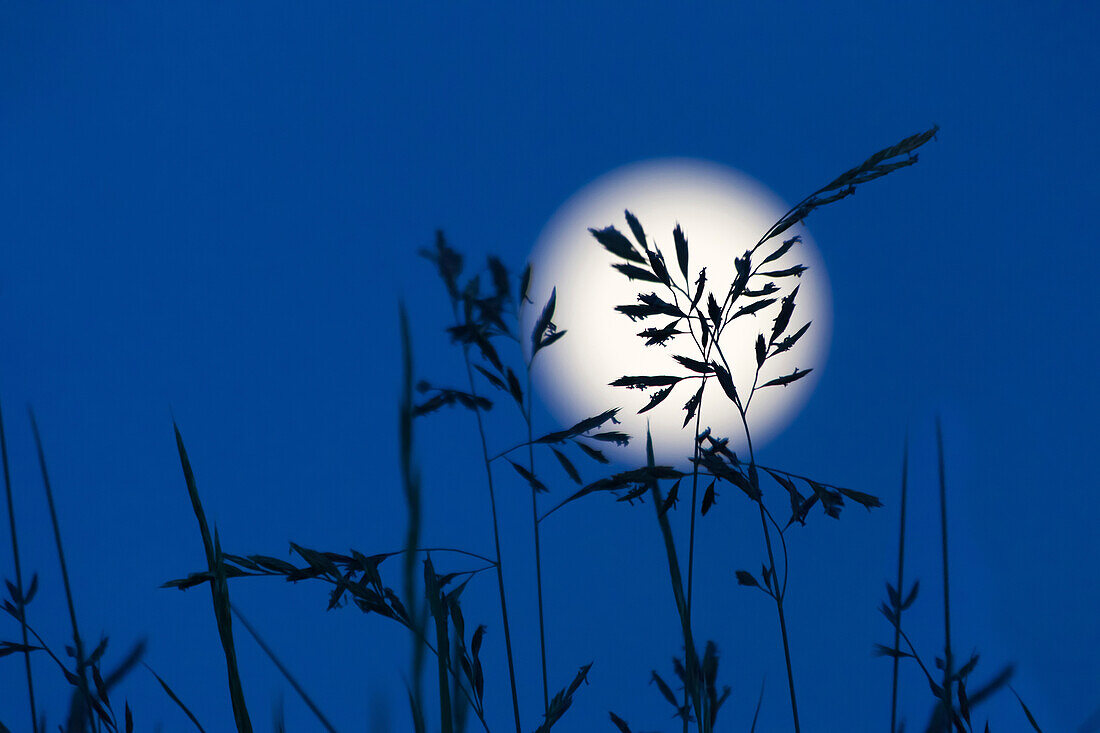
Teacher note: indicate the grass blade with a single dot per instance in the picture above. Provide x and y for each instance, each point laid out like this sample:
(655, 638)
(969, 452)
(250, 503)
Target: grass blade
(1030, 717)
(18, 570)
(175, 698)
(693, 676)
(219, 590)
(756, 713)
(410, 481)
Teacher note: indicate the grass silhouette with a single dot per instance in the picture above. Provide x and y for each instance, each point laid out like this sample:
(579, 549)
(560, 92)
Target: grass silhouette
(485, 313)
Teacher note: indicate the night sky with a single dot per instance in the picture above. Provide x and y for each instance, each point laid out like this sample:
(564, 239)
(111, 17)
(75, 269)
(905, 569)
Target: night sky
(212, 212)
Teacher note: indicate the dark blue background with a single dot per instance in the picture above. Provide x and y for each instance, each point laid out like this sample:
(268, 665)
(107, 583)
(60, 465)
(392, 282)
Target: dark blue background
(213, 211)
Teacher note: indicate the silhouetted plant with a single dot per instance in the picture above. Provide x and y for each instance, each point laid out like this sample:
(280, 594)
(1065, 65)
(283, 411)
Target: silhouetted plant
(486, 309)
(481, 319)
(690, 305)
(90, 706)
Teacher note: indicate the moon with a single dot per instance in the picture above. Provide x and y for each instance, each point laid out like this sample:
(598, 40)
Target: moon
(723, 213)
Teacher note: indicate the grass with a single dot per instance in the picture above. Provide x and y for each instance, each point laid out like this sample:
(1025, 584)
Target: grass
(485, 315)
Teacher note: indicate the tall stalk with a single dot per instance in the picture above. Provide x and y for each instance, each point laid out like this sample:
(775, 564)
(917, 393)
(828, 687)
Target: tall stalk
(691, 532)
(947, 658)
(901, 571)
(778, 594)
(538, 546)
(496, 524)
(496, 540)
(694, 502)
(18, 574)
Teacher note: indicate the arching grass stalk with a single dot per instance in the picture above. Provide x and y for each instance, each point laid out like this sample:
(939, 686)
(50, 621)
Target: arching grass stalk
(706, 320)
(21, 600)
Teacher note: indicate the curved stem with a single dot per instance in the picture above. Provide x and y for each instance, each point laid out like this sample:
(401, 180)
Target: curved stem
(497, 456)
(488, 560)
(771, 559)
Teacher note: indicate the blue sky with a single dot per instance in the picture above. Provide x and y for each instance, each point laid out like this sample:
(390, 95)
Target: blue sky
(212, 211)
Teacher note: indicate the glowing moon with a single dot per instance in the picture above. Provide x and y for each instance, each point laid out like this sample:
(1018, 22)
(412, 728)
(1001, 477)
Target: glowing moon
(723, 214)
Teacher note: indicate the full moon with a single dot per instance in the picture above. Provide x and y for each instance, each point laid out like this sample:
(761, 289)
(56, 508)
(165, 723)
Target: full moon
(723, 214)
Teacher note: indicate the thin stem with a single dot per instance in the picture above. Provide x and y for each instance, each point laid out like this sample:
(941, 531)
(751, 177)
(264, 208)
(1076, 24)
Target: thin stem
(81, 676)
(783, 543)
(538, 545)
(691, 533)
(901, 571)
(771, 559)
(455, 550)
(694, 494)
(913, 653)
(46, 648)
(947, 661)
(282, 668)
(18, 572)
(782, 471)
(496, 540)
(497, 456)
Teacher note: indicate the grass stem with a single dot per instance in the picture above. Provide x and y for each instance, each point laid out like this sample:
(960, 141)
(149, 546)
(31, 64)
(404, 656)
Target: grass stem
(694, 508)
(901, 571)
(18, 573)
(496, 540)
(538, 544)
(78, 642)
(755, 479)
(947, 659)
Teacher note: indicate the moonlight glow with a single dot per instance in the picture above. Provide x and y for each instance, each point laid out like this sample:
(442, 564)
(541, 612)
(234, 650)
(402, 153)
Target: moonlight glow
(723, 214)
